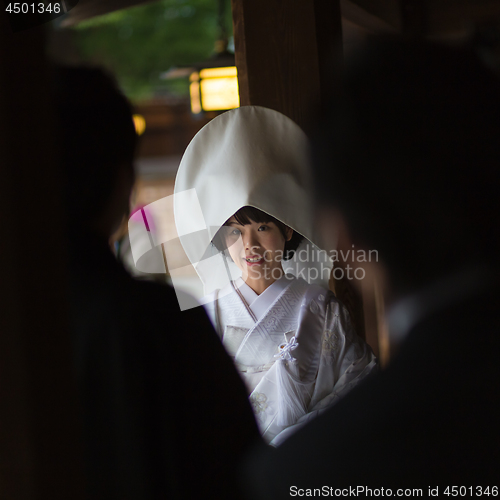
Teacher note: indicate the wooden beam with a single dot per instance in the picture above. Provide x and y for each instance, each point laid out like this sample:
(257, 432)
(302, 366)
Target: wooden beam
(421, 17)
(376, 16)
(357, 16)
(40, 456)
(455, 16)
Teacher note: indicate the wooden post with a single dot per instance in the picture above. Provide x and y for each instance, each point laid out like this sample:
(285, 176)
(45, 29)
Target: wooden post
(40, 454)
(286, 53)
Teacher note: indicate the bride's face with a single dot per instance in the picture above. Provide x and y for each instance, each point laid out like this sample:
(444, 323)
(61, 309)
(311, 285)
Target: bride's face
(256, 248)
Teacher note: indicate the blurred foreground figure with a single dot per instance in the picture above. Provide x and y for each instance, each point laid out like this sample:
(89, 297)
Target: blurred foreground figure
(407, 163)
(156, 423)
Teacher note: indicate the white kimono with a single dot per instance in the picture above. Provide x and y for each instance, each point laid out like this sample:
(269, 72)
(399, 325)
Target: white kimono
(294, 347)
(293, 344)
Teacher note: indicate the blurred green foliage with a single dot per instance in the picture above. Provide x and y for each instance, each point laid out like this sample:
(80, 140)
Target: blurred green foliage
(140, 43)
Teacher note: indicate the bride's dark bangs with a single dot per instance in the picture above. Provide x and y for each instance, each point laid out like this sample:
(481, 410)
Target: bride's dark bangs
(247, 215)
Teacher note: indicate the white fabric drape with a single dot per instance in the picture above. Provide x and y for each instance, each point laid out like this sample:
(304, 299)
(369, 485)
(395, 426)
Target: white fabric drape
(250, 156)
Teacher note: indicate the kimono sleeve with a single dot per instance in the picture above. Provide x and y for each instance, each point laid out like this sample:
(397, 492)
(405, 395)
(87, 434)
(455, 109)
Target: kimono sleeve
(345, 358)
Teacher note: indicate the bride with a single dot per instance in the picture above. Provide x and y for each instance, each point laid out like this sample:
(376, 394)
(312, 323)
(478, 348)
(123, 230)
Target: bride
(291, 340)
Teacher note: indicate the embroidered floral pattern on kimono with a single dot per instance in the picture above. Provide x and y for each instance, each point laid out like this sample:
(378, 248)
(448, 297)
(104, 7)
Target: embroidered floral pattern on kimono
(259, 402)
(260, 405)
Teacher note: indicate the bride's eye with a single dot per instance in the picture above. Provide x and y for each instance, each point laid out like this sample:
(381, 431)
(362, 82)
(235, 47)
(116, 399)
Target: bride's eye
(235, 232)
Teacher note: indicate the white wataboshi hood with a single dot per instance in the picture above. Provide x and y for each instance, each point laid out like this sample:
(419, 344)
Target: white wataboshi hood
(249, 156)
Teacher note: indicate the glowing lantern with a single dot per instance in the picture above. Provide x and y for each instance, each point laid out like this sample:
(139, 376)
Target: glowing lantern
(214, 89)
(139, 123)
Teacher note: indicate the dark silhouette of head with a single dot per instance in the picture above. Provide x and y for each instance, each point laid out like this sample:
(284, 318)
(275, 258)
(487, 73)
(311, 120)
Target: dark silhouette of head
(409, 152)
(97, 141)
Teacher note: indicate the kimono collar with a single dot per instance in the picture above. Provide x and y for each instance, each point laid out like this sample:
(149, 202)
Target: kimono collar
(259, 304)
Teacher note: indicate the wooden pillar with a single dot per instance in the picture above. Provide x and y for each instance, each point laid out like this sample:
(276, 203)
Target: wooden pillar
(287, 53)
(39, 440)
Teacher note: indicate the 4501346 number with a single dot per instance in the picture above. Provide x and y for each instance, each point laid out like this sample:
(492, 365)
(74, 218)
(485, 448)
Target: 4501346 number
(33, 8)
(471, 491)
